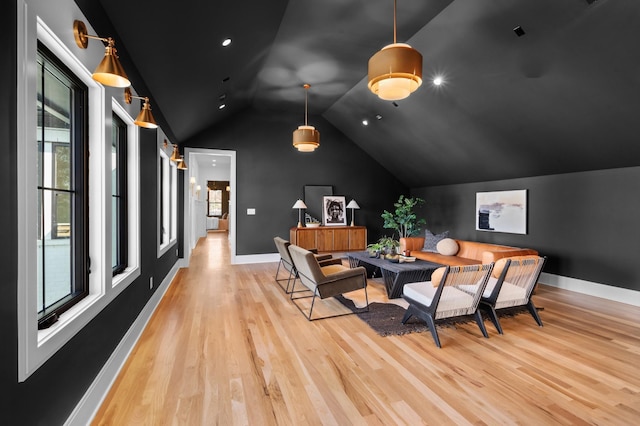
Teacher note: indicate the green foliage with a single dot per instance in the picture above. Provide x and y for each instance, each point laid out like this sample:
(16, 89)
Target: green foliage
(404, 220)
(388, 242)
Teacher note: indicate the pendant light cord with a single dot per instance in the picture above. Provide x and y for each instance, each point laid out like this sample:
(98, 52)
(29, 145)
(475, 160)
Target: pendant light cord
(306, 90)
(394, 21)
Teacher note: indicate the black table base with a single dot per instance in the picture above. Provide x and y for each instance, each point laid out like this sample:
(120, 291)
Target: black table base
(395, 275)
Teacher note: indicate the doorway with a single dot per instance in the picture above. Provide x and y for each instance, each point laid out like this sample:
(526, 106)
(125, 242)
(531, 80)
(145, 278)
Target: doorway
(207, 165)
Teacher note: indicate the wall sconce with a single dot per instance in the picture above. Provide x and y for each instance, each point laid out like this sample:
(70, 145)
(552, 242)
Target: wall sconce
(175, 155)
(352, 205)
(192, 183)
(145, 118)
(198, 188)
(109, 72)
(182, 165)
(299, 205)
(228, 188)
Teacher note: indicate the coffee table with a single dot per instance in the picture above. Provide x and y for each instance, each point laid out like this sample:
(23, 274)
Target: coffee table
(395, 275)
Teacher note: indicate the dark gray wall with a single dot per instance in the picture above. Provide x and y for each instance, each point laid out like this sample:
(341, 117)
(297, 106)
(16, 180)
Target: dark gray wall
(49, 395)
(271, 175)
(585, 223)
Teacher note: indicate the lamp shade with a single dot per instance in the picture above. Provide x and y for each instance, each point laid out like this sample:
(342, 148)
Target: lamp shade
(299, 205)
(306, 138)
(353, 205)
(175, 155)
(182, 165)
(110, 71)
(395, 72)
(145, 118)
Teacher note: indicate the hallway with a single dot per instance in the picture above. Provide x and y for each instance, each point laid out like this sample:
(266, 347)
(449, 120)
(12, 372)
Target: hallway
(227, 346)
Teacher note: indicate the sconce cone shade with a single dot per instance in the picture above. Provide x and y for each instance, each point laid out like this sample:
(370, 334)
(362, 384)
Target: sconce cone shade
(175, 155)
(306, 138)
(182, 165)
(395, 72)
(110, 72)
(145, 118)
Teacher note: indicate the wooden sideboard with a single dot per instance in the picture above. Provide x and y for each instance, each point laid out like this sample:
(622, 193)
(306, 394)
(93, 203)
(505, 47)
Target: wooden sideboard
(330, 238)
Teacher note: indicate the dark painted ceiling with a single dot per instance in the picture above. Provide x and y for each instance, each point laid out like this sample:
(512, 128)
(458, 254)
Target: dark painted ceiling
(564, 97)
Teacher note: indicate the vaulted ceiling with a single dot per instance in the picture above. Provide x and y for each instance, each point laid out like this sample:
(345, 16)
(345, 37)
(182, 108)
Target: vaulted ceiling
(563, 97)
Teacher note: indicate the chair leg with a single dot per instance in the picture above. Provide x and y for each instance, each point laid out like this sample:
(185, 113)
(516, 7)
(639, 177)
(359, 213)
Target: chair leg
(407, 314)
(493, 316)
(480, 321)
(313, 300)
(534, 312)
(434, 333)
(366, 296)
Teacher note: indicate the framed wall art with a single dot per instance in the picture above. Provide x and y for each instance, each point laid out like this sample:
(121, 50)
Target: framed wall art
(502, 211)
(334, 212)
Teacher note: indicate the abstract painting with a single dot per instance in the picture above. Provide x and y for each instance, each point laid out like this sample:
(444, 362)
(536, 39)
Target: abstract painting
(502, 211)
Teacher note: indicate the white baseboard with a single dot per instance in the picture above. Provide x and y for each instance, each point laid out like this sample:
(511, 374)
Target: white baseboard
(255, 258)
(90, 403)
(617, 294)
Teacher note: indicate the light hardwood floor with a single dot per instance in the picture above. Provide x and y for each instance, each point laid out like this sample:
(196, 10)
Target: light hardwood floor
(226, 346)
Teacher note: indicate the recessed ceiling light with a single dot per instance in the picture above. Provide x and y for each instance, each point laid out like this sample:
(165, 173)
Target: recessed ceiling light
(437, 81)
(378, 117)
(519, 31)
(365, 122)
(222, 106)
(226, 42)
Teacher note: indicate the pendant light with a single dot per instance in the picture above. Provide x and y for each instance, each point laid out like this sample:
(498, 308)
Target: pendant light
(306, 138)
(395, 71)
(110, 71)
(145, 118)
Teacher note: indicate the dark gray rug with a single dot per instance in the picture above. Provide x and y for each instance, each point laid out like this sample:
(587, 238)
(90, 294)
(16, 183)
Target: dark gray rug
(386, 318)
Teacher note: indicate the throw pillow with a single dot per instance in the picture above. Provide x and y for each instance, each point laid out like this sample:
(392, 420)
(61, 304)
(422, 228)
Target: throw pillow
(437, 275)
(447, 247)
(431, 241)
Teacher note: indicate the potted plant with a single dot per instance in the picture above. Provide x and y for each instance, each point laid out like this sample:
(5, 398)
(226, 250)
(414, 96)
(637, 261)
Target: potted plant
(389, 244)
(404, 220)
(374, 249)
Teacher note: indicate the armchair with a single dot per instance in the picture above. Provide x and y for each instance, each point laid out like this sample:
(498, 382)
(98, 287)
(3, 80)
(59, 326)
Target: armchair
(511, 284)
(287, 263)
(325, 281)
(453, 291)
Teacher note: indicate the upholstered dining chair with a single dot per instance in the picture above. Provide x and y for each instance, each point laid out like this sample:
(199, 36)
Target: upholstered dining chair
(287, 264)
(325, 281)
(511, 284)
(453, 291)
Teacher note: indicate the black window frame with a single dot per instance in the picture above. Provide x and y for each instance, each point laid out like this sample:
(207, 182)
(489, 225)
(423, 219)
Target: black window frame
(79, 184)
(120, 193)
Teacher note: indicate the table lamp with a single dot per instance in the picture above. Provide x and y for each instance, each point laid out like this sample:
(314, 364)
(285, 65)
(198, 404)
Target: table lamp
(352, 205)
(299, 205)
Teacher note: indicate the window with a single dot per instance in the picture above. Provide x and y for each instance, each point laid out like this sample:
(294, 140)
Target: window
(167, 199)
(62, 237)
(64, 195)
(215, 202)
(119, 240)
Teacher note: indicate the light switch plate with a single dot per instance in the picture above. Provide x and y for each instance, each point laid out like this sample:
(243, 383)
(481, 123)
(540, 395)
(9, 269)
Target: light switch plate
(251, 212)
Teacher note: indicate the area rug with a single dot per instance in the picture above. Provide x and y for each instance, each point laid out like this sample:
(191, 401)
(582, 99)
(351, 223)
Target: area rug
(386, 318)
